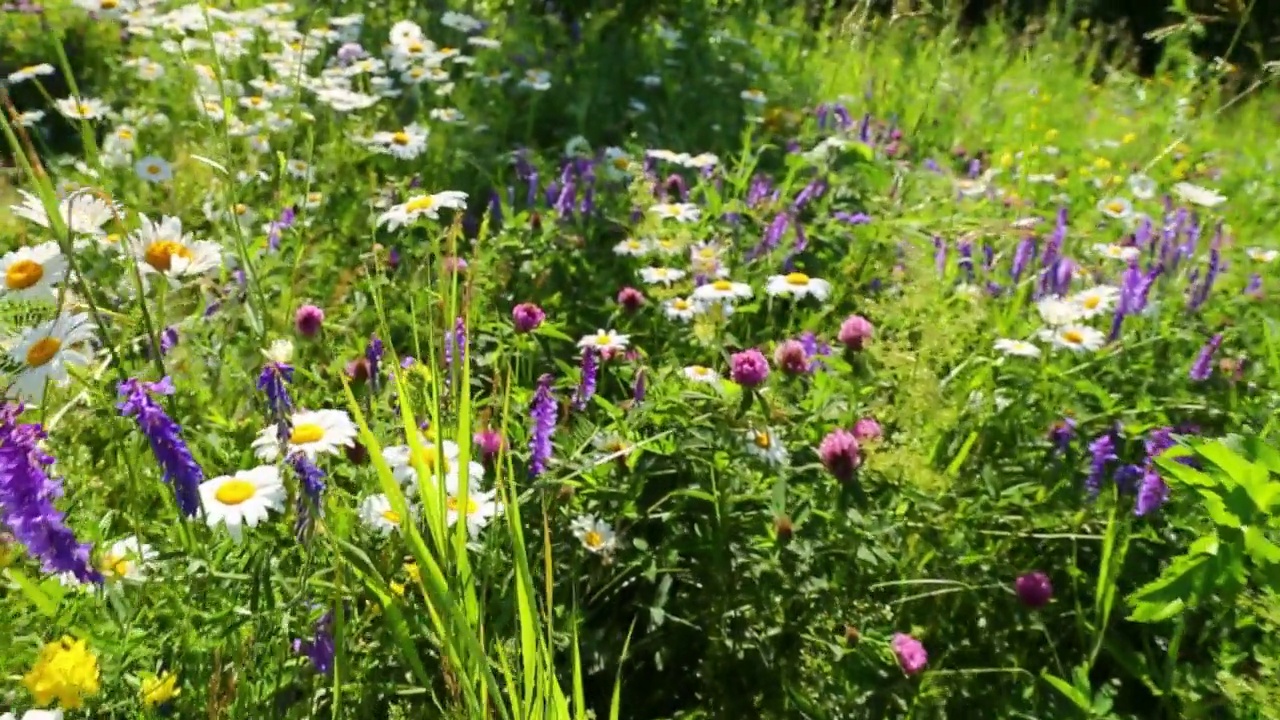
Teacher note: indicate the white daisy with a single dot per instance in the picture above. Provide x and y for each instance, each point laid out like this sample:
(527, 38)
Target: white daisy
(440, 458)
(1076, 338)
(1197, 195)
(595, 535)
(376, 512)
(764, 444)
(245, 498)
(106, 8)
(618, 164)
(535, 79)
(680, 309)
(699, 373)
(722, 291)
(755, 96)
(1142, 186)
(1020, 348)
(153, 169)
(127, 559)
(163, 248)
(74, 108)
(43, 714)
(1116, 207)
(604, 340)
(419, 206)
(82, 211)
(799, 285)
(447, 115)
(478, 507)
(313, 432)
(661, 275)
(632, 247)
(1057, 312)
(30, 71)
(1095, 301)
(300, 170)
(405, 144)
(1261, 255)
(32, 273)
(44, 353)
(682, 212)
(1117, 252)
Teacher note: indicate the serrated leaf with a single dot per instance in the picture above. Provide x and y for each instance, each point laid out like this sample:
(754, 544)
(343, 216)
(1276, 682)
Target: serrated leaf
(1180, 580)
(1069, 691)
(1260, 549)
(1156, 612)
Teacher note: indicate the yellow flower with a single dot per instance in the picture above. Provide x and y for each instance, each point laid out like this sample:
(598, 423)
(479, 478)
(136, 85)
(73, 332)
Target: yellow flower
(396, 588)
(65, 671)
(1050, 135)
(158, 690)
(414, 573)
(1102, 163)
(1128, 138)
(1006, 160)
(1180, 170)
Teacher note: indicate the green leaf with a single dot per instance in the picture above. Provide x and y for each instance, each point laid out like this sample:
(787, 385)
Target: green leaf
(1145, 612)
(1260, 549)
(1236, 467)
(1182, 579)
(1262, 454)
(953, 469)
(1082, 701)
(35, 594)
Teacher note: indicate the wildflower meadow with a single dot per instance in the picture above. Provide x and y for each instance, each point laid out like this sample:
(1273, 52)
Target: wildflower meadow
(395, 360)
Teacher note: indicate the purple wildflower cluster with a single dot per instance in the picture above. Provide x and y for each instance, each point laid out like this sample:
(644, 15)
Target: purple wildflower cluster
(165, 437)
(1143, 480)
(544, 412)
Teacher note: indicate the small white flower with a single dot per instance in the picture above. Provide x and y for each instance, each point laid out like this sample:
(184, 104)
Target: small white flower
(44, 353)
(246, 498)
(127, 559)
(82, 211)
(682, 212)
(1020, 348)
(699, 373)
(153, 169)
(1117, 252)
(661, 275)
(29, 72)
(722, 291)
(632, 247)
(75, 108)
(479, 506)
(798, 285)
(764, 444)
(419, 206)
(447, 115)
(680, 309)
(376, 512)
(405, 144)
(280, 351)
(1197, 195)
(312, 433)
(163, 248)
(596, 535)
(1116, 207)
(1095, 301)
(32, 273)
(1142, 186)
(535, 79)
(1261, 255)
(1058, 312)
(754, 96)
(1077, 338)
(604, 340)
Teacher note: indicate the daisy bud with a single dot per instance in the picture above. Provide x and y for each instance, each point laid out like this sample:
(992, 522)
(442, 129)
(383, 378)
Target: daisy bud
(308, 320)
(855, 332)
(1033, 589)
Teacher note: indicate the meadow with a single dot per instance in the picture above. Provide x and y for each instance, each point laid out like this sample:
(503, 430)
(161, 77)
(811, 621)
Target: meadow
(507, 362)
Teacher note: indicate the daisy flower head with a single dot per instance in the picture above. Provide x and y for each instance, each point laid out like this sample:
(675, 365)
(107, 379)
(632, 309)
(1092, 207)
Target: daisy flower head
(33, 273)
(1196, 195)
(153, 169)
(405, 144)
(798, 285)
(1142, 186)
(76, 108)
(596, 535)
(681, 309)
(163, 248)
(1057, 312)
(1114, 251)
(754, 96)
(438, 458)
(764, 444)
(1261, 255)
(420, 206)
(535, 79)
(1018, 348)
(45, 352)
(82, 211)
(605, 341)
(681, 212)
(30, 72)
(1117, 207)
(376, 513)
(447, 115)
(1095, 301)
(618, 164)
(312, 433)
(632, 247)
(127, 559)
(1076, 338)
(722, 291)
(478, 507)
(106, 8)
(245, 498)
(661, 275)
(699, 373)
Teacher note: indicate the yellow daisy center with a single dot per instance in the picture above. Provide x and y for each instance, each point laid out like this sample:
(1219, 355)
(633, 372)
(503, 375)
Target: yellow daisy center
(763, 441)
(426, 202)
(1115, 206)
(621, 163)
(153, 169)
(699, 370)
(160, 254)
(400, 138)
(680, 304)
(235, 491)
(23, 274)
(593, 539)
(603, 339)
(1075, 337)
(452, 502)
(415, 47)
(113, 564)
(306, 433)
(110, 4)
(84, 109)
(43, 350)
(125, 134)
(391, 516)
(797, 279)
(1091, 302)
(722, 285)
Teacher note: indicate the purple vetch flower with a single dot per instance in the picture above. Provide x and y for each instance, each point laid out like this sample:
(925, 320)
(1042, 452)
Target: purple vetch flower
(527, 317)
(1152, 493)
(911, 654)
(455, 343)
(1158, 441)
(851, 218)
(814, 350)
(1061, 434)
(373, 355)
(273, 381)
(544, 412)
(773, 234)
(748, 368)
(309, 501)
(1126, 477)
(1103, 452)
(1033, 589)
(814, 190)
(179, 468)
(840, 454)
(1203, 365)
(1023, 255)
(940, 255)
(320, 649)
(168, 339)
(1254, 288)
(639, 389)
(26, 501)
(587, 384)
